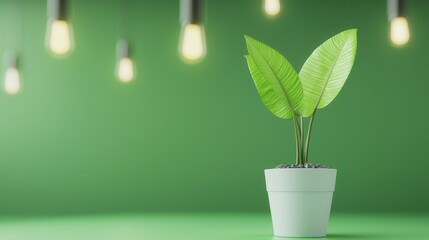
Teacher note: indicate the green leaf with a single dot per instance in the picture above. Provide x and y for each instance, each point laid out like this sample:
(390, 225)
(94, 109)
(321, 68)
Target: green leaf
(269, 98)
(275, 79)
(326, 70)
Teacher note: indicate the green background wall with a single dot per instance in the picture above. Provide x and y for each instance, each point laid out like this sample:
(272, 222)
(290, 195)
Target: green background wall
(196, 137)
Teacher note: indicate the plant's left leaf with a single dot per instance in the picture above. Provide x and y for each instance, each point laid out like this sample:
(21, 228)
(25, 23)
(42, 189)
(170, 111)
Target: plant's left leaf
(276, 80)
(270, 99)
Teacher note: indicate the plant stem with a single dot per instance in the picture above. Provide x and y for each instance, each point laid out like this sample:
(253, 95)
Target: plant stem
(302, 139)
(297, 148)
(307, 143)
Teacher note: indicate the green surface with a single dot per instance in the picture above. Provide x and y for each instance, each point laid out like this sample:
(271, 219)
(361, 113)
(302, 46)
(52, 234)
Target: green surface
(249, 226)
(193, 137)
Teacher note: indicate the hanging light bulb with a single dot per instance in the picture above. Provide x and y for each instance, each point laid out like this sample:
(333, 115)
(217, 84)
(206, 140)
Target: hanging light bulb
(12, 83)
(192, 45)
(399, 31)
(124, 65)
(272, 7)
(59, 35)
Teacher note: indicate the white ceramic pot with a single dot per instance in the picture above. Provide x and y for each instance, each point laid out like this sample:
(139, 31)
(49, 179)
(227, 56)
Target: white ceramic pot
(300, 200)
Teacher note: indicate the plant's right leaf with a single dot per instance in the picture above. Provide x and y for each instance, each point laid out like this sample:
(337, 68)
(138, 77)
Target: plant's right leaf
(326, 70)
(276, 80)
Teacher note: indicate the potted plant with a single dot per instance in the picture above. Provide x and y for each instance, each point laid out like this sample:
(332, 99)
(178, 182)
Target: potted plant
(300, 194)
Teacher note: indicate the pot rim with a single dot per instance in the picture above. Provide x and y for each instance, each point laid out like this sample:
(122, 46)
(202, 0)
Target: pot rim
(300, 180)
(300, 169)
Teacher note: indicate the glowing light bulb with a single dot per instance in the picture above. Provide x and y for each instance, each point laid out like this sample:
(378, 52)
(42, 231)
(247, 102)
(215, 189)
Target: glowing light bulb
(125, 69)
(192, 45)
(272, 7)
(399, 32)
(59, 38)
(11, 81)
